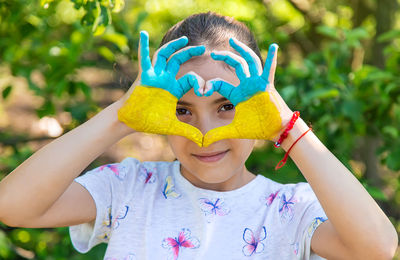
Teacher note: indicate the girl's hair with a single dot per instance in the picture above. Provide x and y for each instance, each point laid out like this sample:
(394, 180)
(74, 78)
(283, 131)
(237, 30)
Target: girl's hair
(213, 31)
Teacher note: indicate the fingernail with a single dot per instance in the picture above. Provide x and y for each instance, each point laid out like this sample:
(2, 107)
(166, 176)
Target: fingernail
(274, 46)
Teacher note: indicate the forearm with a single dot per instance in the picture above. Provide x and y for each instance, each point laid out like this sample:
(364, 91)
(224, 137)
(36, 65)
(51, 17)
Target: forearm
(37, 183)
(358, 220)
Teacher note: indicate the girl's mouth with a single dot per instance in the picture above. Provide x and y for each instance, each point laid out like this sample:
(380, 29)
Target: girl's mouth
(211, 157)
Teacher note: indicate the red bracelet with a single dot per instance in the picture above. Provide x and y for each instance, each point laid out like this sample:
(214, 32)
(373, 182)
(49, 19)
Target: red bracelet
(289, 127)
(283, 161)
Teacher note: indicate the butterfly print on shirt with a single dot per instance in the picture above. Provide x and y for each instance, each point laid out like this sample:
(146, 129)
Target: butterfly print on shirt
(316, 222)
(267, 200)
(254, 244)
(184, 240)
(118, 170)
(121, 215)
(286, 208)
(169, 189)
(213, 207)
(146, 175)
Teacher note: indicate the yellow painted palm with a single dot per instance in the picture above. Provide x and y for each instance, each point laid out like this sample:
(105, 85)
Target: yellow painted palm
(257, 116)
(153, 110)
(151, 107)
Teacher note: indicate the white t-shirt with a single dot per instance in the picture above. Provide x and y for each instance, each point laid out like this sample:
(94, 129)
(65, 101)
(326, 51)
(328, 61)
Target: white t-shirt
(148, 210)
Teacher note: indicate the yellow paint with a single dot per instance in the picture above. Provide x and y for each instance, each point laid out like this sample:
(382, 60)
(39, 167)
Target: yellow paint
(153, 110)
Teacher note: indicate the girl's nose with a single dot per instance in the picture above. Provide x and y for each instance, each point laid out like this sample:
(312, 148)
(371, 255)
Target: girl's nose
(206, 123)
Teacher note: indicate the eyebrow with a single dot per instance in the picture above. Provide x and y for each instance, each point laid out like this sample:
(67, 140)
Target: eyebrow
(222, 99)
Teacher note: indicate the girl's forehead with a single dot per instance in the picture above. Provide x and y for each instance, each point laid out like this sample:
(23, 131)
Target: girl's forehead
(207, 68)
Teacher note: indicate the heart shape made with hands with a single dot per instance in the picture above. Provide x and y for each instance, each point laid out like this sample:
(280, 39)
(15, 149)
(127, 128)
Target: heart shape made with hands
(153, 109)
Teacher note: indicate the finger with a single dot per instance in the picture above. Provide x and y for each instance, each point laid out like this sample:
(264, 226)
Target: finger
(249, 55)
(164, 52)
(182, 56)
(270, 64)
(191, 80)
(220, 133)
(237, 62)
(144, 56)
(222, 87)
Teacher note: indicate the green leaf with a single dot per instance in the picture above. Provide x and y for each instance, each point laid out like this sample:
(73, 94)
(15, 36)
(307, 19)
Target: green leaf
(321, 94)
(388, 36)
(118, 39)
(328, 31)
(375, 192)
(353, 109)
(85, 89)
(392, 160)
(6, 92)
(106, 53)
(60, 88)
(103, 18)
(117, 5)
(47, 108)
(391, 131)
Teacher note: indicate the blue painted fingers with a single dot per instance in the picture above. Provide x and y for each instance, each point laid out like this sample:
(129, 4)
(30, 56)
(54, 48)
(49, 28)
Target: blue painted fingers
(257, 80)
(163, 74)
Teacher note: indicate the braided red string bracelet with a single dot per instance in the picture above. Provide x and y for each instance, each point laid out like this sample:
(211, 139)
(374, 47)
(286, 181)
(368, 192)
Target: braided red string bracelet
(289, 127)
(283, 161)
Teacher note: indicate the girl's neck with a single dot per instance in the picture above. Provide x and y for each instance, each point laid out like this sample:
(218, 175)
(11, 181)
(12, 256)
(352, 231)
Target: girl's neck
(239, 179)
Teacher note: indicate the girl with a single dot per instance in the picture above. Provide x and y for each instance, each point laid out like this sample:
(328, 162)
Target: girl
(205, 204)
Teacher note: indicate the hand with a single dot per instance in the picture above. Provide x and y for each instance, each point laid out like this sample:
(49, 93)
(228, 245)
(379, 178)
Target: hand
(150, 104)
(260, 113)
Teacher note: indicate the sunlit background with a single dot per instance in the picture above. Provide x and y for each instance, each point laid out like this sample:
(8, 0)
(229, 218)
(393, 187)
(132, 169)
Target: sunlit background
(61, 62)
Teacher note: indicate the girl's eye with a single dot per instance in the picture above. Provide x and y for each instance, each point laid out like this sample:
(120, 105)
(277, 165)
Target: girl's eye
(228, 107)
(181, 111)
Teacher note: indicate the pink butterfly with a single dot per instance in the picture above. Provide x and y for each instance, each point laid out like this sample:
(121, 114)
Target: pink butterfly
(213, 207)
(148, 176)
(184, 239)
(115, 169)
(253, 241)
(286, 208)
(271, 197)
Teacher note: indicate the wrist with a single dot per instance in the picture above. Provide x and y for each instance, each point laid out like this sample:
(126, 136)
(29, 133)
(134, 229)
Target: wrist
(119, 127)
(298, 129)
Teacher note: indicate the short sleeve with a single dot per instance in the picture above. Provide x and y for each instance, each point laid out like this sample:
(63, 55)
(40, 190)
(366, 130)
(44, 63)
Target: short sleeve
(109, 185)
(308, 214)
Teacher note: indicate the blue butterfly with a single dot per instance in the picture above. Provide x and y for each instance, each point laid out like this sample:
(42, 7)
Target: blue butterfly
(254, 244)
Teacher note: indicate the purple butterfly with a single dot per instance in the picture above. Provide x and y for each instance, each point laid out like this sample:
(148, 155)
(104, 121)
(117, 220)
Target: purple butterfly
(286, 208)
(213, 207)
(119, 172)
(253, 241)
(148, 176)
(184, 239)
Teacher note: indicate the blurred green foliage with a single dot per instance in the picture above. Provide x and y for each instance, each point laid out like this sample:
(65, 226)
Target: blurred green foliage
(336, 65)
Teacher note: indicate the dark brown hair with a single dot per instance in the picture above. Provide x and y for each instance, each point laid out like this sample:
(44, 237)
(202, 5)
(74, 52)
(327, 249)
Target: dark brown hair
(213, 31)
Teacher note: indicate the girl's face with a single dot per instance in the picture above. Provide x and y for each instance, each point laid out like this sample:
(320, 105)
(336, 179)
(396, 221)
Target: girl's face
(206, 113)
